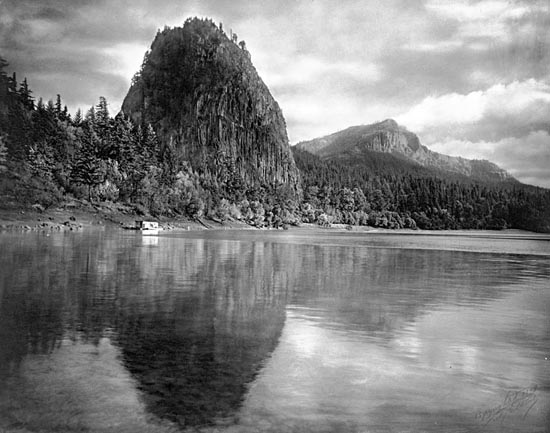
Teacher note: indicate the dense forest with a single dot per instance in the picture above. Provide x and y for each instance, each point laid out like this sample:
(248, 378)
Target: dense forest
(48, 156)
(390, 194)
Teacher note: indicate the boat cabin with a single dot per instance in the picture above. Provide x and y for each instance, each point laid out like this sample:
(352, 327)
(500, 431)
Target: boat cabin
(147, 225)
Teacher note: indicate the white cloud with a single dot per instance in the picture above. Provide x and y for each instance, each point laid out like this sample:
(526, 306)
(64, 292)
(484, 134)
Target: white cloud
(323, 114)
(433, 46)
(443, 110)
(124, 58)
(526, 158)
(487, 10)
(488, 19)
(310, 69)
(529, 100)
(507, 124)
(466, 149)
(482, 25)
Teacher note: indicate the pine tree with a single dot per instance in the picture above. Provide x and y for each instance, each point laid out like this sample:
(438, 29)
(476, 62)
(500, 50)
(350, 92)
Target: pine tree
(3, 153)
(77, 118)
(102, 111)
(12, 83)
(3, 89)
(104, 127)
(129, 158)
(58, 106)
(3, 65)
(50, 107)
(150, 144)
(88, 169)
(25, 93)
(91, 116)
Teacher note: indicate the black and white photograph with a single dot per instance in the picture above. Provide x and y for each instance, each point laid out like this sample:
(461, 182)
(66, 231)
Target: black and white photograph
(295, 216)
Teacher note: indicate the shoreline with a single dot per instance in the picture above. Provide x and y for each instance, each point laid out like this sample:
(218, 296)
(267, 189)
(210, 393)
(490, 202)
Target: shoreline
(79, 216)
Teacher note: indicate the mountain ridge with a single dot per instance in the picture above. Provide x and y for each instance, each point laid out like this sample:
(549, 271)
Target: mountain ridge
(389, 137)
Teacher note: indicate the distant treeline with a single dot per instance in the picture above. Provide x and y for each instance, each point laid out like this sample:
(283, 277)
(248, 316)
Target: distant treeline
(389, 193)
(47, 156)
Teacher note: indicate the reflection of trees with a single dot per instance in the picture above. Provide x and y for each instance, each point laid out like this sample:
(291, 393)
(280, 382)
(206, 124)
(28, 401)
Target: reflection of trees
(30, 311)
(27, 325)
(53, 288)
(378, 289)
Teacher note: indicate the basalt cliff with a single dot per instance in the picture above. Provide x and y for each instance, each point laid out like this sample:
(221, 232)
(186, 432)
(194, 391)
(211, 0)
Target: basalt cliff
(199, 90)
(368, 141)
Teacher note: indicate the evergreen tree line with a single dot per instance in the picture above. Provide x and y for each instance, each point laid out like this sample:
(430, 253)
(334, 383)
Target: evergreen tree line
(47, 155)
(343, 192)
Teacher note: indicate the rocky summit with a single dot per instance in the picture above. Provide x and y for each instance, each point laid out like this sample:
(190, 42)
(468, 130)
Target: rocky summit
(199, 90)
(389, 137)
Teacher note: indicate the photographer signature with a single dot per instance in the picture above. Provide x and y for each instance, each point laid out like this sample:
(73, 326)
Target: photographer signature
(518, 403)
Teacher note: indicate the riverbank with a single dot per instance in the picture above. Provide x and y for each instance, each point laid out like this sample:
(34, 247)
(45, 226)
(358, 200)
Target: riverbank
(77, 215)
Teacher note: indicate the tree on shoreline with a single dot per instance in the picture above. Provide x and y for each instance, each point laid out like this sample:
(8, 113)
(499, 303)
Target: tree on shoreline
(3, 154)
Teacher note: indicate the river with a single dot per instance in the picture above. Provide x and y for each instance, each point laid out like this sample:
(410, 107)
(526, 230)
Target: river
(274, 331)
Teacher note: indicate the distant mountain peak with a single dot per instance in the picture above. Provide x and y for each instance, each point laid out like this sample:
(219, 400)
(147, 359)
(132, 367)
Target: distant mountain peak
(389, 124)
(388, 136)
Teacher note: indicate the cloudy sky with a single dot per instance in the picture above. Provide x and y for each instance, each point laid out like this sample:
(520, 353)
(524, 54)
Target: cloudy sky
(471, 78)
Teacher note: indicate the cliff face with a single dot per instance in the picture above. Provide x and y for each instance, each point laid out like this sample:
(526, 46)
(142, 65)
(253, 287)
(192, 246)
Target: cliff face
(389, 137)
(202, 94)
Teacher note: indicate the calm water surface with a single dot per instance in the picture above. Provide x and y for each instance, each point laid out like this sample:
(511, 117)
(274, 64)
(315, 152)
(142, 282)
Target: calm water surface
(295, 331)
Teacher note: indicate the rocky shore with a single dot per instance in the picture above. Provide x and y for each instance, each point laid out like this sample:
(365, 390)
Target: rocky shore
(78, 215)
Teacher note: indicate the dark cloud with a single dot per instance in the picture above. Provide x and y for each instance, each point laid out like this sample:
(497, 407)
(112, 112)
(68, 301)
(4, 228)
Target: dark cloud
(460, 70)
(62, 46)
(53, 14)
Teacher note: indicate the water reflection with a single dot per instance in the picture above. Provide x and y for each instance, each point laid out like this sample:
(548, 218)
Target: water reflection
(454, 369)
(31, 316)
(194, 320)
(381, 290)
(265, 332)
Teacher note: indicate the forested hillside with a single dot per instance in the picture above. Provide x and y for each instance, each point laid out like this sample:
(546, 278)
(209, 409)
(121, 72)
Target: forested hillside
(379, 140)
(382, 192)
